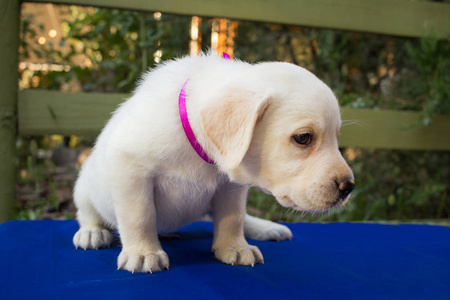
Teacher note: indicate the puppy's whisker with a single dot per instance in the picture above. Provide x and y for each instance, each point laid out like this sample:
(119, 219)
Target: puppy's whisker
(298, 216)
(355, 122)
(291, 212)
(270, 205)
(302, 214)
(351, 122)
(357, 164)
(288, 213)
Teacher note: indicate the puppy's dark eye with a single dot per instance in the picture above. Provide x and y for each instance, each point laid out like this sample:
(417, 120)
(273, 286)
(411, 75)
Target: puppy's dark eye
(303, 139)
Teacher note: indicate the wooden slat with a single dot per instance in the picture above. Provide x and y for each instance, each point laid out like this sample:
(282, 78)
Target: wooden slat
(391, 17)
(48, 112)
(44, 112)
(391, 129)
(9, 43)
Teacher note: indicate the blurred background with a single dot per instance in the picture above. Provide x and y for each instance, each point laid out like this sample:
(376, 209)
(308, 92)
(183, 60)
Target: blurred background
(85, 49)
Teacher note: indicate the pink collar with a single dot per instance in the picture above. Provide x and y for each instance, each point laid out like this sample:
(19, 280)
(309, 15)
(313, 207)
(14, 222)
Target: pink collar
(187, 126)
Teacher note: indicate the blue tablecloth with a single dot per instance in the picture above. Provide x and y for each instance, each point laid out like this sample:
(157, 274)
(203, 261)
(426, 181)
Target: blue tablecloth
(323, 261)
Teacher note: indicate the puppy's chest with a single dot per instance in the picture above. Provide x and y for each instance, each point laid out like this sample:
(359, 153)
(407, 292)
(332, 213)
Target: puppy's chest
(174, 188)
(182, 199)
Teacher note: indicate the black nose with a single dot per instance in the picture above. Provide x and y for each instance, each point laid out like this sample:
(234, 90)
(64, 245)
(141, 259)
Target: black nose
(345, 188)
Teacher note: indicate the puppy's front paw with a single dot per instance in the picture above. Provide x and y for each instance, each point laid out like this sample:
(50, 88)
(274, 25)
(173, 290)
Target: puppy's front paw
(246, 255)
(92, 237)
(143, 262)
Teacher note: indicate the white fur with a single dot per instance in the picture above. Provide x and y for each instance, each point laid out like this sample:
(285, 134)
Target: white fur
(144, 177)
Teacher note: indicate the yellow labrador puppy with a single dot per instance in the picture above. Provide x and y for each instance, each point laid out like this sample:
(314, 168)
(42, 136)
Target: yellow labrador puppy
(194, 136)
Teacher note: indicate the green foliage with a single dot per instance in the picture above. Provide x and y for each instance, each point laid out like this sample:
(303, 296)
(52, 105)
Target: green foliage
(364, 70)
(121, 45)
(432, 60)
(109, 49)
(42, 190)
(407, 185)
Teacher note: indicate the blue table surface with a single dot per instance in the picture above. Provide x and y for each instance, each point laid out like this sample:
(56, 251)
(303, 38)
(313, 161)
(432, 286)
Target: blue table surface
(323, 261)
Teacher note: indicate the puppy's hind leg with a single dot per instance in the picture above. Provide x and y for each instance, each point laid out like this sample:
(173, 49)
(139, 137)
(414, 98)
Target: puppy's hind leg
(92, 234)
(265, 230)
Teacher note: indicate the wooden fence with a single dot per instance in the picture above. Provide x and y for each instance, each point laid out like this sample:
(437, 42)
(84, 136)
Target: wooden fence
(37, 112)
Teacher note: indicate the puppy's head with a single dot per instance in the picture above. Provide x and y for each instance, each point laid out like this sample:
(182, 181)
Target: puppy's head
(278, 130)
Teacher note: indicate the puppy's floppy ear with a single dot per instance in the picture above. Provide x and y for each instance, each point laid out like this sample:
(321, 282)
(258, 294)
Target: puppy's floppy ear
(230, 121)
